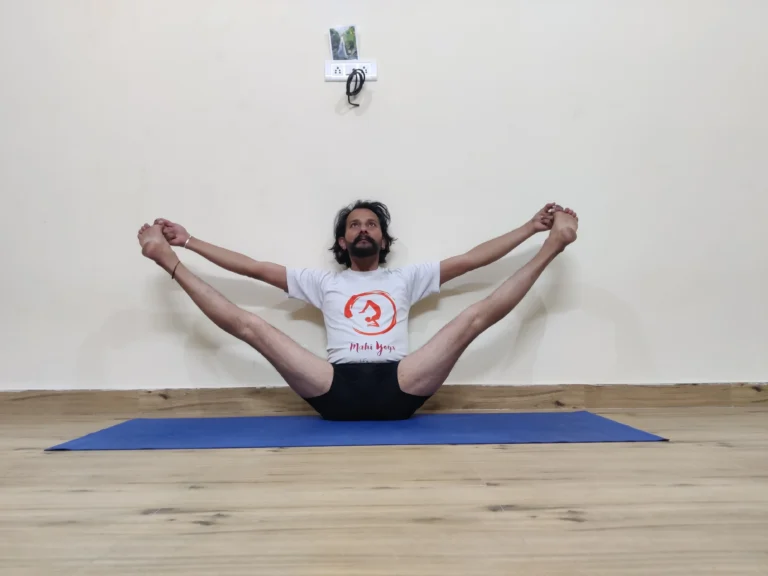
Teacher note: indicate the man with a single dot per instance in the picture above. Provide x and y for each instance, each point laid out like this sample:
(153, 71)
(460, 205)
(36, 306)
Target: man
(369, 374)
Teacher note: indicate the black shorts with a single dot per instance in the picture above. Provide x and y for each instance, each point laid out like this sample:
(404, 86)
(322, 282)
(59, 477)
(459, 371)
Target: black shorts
(366, 391)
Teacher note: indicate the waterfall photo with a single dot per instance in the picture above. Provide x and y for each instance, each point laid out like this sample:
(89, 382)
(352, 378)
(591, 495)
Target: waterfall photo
(343, 43)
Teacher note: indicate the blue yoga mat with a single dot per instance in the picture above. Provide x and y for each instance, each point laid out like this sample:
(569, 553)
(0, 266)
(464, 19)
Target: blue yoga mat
(302, 431)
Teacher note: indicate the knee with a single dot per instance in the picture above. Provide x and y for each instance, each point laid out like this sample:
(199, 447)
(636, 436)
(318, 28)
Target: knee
(243, 327)
(477, 317)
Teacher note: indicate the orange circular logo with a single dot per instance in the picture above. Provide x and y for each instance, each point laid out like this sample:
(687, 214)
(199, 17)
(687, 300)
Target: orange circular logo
(372, 307)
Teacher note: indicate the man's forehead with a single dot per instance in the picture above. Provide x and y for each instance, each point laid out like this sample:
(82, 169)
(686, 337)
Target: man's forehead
(362, 214)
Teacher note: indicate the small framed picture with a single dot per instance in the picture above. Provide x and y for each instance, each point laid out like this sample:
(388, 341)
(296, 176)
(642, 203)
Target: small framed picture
(343, 43)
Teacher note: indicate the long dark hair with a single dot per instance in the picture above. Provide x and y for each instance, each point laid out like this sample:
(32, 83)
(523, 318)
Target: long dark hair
(340, 228)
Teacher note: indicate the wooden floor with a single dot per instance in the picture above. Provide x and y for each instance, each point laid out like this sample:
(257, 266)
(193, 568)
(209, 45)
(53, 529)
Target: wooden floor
(695, 505)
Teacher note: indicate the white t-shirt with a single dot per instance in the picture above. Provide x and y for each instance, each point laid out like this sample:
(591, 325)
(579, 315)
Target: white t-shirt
(366, 313)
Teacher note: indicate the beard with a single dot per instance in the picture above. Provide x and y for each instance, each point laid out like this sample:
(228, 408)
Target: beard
(357, 250)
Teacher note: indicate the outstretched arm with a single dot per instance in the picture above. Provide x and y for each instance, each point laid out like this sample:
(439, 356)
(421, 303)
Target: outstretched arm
(494, 249)
(268, 272)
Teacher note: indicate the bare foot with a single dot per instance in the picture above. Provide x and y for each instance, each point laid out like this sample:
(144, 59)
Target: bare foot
(564, 227)
(155, 247)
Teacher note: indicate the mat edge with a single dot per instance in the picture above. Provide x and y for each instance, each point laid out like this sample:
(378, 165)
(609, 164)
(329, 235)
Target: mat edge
(647, 436)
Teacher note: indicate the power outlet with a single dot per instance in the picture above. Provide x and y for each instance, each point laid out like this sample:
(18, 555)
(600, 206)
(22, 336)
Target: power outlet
(364, 66)
(339, 70)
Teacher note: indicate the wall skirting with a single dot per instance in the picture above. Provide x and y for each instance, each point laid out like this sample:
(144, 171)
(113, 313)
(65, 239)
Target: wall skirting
(261, 401)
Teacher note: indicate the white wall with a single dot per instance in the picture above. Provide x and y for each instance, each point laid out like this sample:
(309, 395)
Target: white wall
(649, 117)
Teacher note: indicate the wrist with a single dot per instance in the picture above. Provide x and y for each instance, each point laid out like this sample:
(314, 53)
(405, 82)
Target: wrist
(187, 242)
(529, 228)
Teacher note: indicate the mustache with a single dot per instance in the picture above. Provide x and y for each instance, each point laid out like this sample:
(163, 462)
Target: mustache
(361, 237)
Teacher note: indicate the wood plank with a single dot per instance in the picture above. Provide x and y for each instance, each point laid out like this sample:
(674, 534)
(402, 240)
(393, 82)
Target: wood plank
(69, 402)
(215, 402)
(697, 504)
(638, 396)
(451, 398)
(748, 394)
(457, 398)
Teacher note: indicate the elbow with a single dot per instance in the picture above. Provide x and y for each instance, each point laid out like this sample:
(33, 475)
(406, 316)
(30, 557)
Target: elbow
(254, 270)
(467, 263)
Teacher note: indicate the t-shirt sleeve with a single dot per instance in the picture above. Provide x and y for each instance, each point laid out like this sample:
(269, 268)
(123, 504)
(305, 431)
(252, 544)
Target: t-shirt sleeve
(423, 280)
(307, 284)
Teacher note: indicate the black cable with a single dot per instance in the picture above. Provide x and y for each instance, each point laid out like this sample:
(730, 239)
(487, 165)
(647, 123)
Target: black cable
(357, 77)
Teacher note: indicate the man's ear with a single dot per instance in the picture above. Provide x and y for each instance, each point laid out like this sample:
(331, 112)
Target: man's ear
(343, 243)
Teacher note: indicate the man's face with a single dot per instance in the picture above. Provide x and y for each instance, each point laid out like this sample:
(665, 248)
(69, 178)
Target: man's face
(363, 237)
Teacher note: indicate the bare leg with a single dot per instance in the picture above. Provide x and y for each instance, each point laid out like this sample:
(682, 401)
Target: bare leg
(307, 374)
(424, 372)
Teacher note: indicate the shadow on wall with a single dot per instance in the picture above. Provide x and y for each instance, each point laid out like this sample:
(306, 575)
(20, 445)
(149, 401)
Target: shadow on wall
(501, 348)
(210, 355)
(254, 294)
(512, 346)
(363, 100)
(517, 352)
(206, 342)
